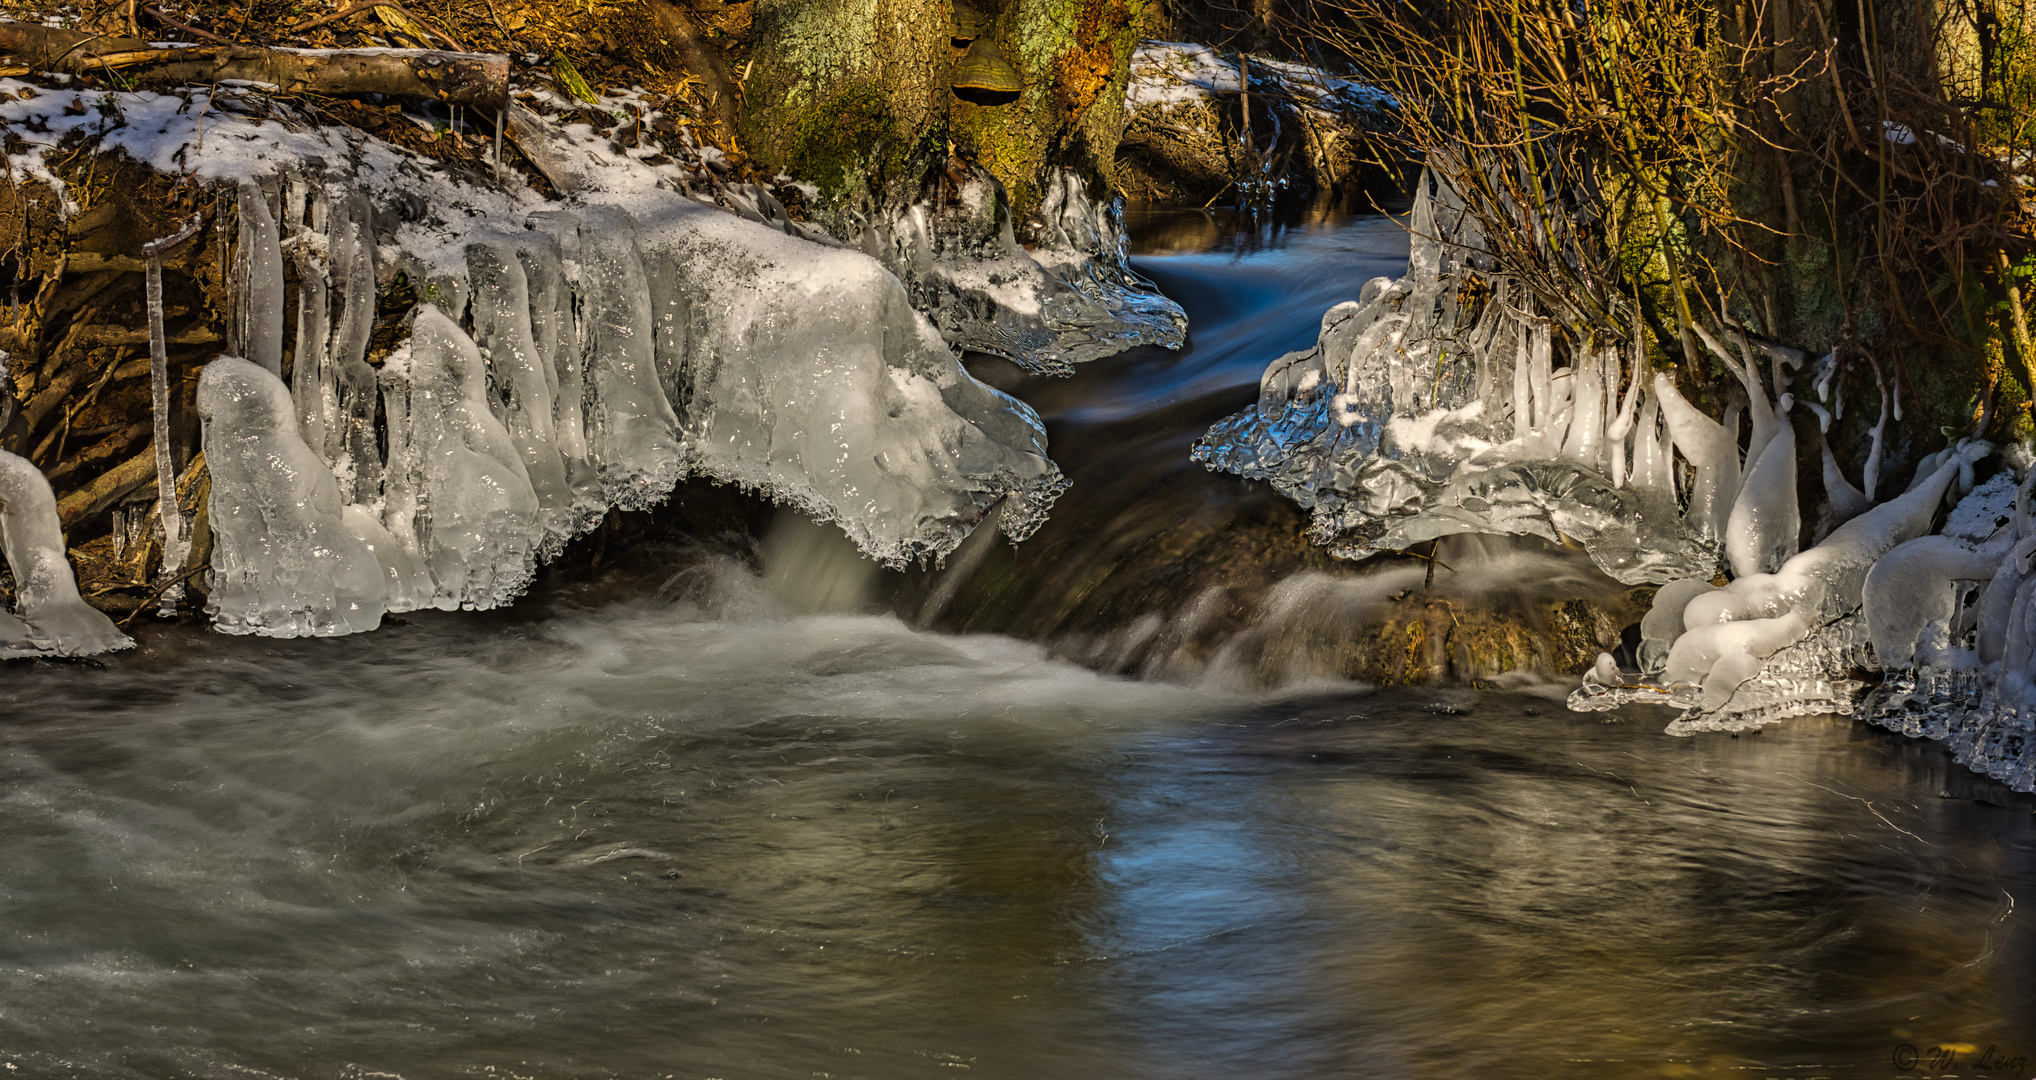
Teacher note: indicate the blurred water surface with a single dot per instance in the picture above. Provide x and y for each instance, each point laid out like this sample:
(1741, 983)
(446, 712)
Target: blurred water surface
(710, 825)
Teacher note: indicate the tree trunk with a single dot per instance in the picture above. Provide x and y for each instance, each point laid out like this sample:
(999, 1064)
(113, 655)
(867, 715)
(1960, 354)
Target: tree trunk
(853, 95)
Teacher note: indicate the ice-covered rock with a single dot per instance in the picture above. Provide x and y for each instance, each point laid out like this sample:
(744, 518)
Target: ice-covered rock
(49, 618)
(567, 358)
(1184, 122)
(1072, 297)
(1416, 416)
(283, 562)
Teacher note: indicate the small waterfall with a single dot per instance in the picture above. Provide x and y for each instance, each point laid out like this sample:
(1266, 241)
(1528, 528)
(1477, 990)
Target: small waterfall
(813, 569)
(1486, 608)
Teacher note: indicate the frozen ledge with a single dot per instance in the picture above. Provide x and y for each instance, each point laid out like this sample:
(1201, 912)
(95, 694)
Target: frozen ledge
(563, 359)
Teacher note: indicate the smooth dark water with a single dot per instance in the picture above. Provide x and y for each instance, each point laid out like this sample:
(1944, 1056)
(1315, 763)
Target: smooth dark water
(694, 832)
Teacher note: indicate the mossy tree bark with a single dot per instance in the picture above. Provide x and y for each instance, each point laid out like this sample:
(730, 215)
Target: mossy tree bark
(853, 95)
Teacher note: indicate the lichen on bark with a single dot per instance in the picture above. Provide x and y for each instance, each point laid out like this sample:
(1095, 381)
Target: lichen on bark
(853, 96)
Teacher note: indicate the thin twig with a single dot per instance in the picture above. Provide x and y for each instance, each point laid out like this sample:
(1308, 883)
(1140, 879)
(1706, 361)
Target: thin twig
(161, 588)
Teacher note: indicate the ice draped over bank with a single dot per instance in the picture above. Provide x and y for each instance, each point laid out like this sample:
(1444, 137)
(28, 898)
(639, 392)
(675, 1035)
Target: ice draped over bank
(593, 359)
(561, 359)
(1417, 415)
(1422, 412)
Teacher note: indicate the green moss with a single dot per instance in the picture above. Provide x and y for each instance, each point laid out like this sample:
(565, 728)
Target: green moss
(845, 142)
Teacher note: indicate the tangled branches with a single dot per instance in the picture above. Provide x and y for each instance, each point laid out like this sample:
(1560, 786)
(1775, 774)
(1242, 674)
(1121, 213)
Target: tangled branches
(1844, 176)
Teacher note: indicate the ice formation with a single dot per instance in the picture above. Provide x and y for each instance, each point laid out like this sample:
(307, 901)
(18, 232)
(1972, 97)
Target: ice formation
(1070, 298)
(601, 353)
(1880, 592)
(1173, 73)
(49, 618)
(1418, 415)
(1953, 622)
(284, 563)
(566, 358)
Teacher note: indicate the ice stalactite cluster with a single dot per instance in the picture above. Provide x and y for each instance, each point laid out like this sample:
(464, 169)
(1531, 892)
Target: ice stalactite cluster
(1419, 415)
(49, 617)
(566, 358)
(1952, 621)
(1771, 645)
(1071, 298)
(1415, 417)
(574, 360)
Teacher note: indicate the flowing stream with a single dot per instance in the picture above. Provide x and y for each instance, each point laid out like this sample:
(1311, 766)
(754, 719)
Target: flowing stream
(713, 824)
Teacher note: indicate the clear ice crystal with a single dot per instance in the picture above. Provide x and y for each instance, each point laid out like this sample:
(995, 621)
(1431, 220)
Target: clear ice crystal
(49, 618)
(283, 562)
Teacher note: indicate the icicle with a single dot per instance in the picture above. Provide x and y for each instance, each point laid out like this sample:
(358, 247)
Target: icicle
(175, 544)
(1584, 442)
(258, 266)
(355, 451)
(310, 375)
(1523, 391)
(1823, 415)
(1653, 472)
(402, 478)
(1761, 531)
(521, 397)
(283, 562)
(477, 525)
(633, 432)
(1827, 367)
(556, 336)
(1710, 450)
(49, 616)
(1621, 427)
(1880, 429)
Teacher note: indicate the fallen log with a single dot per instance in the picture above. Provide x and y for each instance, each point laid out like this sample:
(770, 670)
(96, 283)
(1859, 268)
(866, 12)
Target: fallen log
(110, 487)
(453, 77)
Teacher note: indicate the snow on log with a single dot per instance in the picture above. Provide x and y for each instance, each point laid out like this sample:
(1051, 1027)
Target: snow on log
(457, 78)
